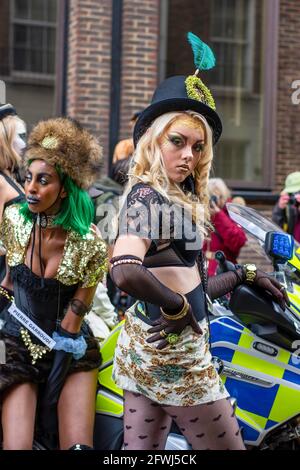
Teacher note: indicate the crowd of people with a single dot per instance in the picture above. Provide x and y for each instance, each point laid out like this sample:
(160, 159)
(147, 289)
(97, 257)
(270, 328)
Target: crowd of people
(54, 260)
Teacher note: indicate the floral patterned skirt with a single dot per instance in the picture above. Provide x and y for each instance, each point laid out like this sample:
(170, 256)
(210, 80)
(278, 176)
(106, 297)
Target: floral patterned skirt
(178, 375)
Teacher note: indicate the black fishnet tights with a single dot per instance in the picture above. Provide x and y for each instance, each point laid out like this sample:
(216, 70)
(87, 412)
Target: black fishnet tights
(210, 426)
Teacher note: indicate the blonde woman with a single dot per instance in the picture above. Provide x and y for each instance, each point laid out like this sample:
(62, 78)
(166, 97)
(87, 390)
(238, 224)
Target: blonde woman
(162, 359)
(12, 143)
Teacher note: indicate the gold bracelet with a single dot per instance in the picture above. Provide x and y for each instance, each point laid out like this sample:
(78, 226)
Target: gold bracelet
(179, 315)
(4, 293)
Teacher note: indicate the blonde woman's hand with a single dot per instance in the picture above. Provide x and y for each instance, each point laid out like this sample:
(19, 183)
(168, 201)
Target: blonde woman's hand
(168, 331)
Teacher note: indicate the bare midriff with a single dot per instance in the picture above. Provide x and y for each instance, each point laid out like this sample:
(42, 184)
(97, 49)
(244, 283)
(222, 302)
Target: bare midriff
(179, 279)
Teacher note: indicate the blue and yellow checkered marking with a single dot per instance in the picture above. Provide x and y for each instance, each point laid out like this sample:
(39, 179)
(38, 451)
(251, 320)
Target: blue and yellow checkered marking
(252, 397)
(270, 424)
(258, 407)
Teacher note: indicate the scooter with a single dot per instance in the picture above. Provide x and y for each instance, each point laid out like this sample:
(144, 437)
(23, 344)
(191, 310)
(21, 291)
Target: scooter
(254, 345)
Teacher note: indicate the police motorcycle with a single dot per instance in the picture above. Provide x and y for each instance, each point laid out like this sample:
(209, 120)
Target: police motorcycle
(254, 345)
(258, 344)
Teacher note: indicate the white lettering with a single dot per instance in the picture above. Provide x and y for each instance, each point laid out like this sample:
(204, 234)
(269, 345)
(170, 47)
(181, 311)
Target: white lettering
(2, 92)
(32, 327)
(2, 353)
(296, 94)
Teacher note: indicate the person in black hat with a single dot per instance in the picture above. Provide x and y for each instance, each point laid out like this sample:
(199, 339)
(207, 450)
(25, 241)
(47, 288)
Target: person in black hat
(12, 143)
(162, 359)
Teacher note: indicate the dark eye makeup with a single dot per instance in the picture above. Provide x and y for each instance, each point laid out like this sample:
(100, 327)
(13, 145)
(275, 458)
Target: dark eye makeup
(178, 141)
(41, 178)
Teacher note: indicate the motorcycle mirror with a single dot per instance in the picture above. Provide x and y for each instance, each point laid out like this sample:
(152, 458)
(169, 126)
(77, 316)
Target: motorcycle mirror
(279, 246)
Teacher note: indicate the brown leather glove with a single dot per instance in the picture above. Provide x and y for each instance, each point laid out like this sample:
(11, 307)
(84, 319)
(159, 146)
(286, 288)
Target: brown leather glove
(164, 328)
(273, 287)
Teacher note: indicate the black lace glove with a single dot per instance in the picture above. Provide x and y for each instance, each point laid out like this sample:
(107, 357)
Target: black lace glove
(273, 287)
(168, 331)
(224, 283)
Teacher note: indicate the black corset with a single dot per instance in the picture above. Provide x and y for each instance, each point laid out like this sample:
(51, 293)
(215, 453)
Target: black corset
(44, 304)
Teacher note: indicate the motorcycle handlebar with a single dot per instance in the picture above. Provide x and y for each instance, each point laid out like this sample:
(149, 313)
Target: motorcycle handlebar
(224, 264)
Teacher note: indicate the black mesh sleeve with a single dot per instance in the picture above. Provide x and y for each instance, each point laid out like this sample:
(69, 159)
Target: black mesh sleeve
(223, 283)
(140, 283)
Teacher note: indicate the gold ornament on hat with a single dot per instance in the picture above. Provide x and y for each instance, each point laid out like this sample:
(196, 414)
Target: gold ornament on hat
(204, 59)
(50, 142)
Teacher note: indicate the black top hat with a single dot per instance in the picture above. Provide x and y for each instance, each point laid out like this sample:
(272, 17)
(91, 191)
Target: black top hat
(181, 93)
(171, 95)
(7, 110)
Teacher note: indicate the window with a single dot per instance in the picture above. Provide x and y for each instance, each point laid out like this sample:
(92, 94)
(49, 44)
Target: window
(243, 35)
(232, 39)
(233, 159)
(33, 37)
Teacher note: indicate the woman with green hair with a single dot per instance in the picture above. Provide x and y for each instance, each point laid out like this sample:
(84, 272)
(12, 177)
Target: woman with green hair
(56, 259)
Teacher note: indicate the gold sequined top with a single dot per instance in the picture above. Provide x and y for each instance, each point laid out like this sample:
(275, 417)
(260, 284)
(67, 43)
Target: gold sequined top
(84, 259)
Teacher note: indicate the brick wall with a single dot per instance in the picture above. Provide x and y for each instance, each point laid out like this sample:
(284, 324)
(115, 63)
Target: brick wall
(288, 123)
(194, 17)
(140, 44)
(89, 65)
(90, 62)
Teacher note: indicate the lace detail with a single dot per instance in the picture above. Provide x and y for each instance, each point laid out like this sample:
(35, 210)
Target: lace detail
(143, 215)
(147, 214)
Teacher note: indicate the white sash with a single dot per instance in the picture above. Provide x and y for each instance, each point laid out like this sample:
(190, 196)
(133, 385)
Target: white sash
(31, 326)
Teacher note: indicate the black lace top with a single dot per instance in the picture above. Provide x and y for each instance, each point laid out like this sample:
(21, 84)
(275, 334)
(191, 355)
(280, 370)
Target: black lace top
(175, 240)
(143, 215)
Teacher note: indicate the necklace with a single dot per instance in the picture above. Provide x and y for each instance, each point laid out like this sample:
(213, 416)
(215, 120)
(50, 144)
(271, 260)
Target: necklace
(45, 221)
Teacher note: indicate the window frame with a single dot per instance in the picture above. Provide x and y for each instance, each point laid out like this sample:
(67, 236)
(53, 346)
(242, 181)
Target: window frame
(269, 145)
(270, 35)
(26, 76)
(248, 42)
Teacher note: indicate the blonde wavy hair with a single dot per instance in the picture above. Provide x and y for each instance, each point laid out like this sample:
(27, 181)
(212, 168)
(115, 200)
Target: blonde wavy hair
(148, 166)
(9, 157)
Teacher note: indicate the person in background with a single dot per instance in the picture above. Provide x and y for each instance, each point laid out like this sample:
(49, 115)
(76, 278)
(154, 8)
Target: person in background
(286, 212)
(103, 316)
(122, 155)
(227, 235)
(12, 144)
